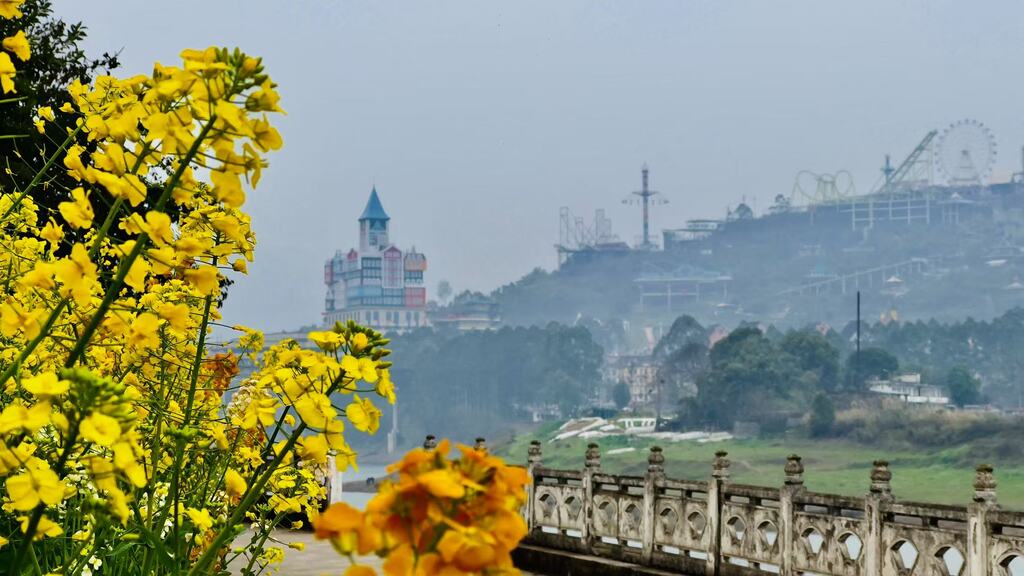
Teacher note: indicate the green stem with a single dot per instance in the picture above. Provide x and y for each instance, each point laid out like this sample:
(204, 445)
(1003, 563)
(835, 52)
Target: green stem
(42, 171)
(255, 491)
(263, 540)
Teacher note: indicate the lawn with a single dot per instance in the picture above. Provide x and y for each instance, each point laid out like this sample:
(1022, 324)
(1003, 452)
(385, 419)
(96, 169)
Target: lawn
(834, 466)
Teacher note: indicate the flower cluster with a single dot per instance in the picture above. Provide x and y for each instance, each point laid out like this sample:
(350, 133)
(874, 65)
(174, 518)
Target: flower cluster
(441, 516)
(17, 45)
(125, 442)
(127, 445)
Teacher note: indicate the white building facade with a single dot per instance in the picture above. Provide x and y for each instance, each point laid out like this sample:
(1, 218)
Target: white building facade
(378, 285)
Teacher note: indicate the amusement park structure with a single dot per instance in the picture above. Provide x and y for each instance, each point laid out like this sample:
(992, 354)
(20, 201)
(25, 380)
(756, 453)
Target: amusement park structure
(932, 183)
(645, 197)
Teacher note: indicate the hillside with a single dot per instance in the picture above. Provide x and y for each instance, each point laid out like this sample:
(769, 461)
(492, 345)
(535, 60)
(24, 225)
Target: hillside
(954, 254)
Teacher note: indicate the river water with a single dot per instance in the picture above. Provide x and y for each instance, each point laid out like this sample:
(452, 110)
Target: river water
(359, 499)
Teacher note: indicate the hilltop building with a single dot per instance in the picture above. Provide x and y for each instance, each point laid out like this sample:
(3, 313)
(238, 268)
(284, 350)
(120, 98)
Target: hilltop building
(378, 285)
(467, 312)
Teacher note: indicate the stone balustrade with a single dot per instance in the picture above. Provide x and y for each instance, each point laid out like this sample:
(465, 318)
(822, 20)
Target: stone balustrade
(722, 528)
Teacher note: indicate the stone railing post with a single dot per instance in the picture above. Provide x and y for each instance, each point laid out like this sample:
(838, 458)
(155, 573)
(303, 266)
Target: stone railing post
(978, 528)
(719, 478)
(655, 474)
(533, 461)
(794, 484)
(430, 442)
(591, 466)
(879, 493)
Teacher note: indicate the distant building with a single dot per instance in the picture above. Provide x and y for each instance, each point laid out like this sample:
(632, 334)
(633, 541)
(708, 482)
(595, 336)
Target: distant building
(467, 311)
(674, 290)
(639, 373)
(379, 285)
(909, 389)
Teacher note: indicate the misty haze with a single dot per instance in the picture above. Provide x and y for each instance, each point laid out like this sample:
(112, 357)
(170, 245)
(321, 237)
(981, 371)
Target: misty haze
(703, 288)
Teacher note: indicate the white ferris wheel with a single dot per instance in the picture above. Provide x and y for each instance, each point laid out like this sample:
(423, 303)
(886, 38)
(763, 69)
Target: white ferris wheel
(965, 153)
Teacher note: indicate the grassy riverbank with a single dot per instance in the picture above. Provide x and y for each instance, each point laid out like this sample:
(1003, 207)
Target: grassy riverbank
(837, 466)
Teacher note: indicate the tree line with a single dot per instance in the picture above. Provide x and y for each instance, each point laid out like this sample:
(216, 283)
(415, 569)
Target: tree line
(461, 384)
(766, 376)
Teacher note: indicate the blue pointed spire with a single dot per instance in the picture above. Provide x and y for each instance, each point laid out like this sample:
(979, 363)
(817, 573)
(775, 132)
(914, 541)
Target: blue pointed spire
(374, 209)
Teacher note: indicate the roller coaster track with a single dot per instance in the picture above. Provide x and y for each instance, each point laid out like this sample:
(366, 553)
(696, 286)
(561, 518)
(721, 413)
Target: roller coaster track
(866, 278)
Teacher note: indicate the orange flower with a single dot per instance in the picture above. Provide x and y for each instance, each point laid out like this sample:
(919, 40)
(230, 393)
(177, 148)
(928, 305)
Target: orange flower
(338, 518)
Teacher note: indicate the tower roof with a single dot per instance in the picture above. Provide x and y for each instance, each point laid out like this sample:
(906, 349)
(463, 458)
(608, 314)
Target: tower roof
(374, 210)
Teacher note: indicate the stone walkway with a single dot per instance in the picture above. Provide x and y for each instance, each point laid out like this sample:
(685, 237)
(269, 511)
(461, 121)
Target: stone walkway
(319, 558)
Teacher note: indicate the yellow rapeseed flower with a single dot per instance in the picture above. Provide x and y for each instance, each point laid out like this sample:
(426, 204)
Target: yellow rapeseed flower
(14, 317)
(363, 415)
(176, 316)
(144, 332)
(234, 484)
(7, 72)
(18, 417)
(52, 233)
(204, 279)
(77, 275)
(313, 449)
(260, 411)
(201, 519)
(18, 45)
(32, 487)
(227, 188)
(327, 340)
(45, 385)
(9, 8)
(101, 429)
(45, 529)
(359, 368)
(79, 211)
(360, 341)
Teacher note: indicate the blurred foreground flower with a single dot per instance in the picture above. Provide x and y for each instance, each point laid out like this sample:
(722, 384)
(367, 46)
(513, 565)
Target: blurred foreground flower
(442, 516)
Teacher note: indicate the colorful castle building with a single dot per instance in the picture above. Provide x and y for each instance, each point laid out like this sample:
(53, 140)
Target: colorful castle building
(379, 285)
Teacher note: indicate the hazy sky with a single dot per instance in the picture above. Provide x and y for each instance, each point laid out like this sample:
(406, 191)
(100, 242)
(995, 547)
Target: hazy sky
(477, 120)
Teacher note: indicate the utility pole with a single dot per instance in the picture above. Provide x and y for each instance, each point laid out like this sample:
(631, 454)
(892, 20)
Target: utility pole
(657, 401)
(856, 358)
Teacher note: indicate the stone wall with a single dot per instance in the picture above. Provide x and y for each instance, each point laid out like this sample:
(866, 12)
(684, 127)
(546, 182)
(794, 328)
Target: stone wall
(717, 527)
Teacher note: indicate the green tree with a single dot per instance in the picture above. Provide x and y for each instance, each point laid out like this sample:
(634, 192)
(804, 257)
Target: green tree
(748, 379)
(815, 356)
(57, 60)
(963, 387)
(872, 363)
(685, 330)
(679, 372)
(444, 291)
(823, 415)
(620, 395)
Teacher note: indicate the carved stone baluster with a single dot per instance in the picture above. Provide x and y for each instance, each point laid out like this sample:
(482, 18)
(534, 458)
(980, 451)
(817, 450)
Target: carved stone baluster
(592, 458)
(978, 527)
(591, 466)
(719, 478)
(533, 461)
(878, 496)
(534, 456)
(881, 479)
(655, 474)
(794, 484)
(430, 442)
